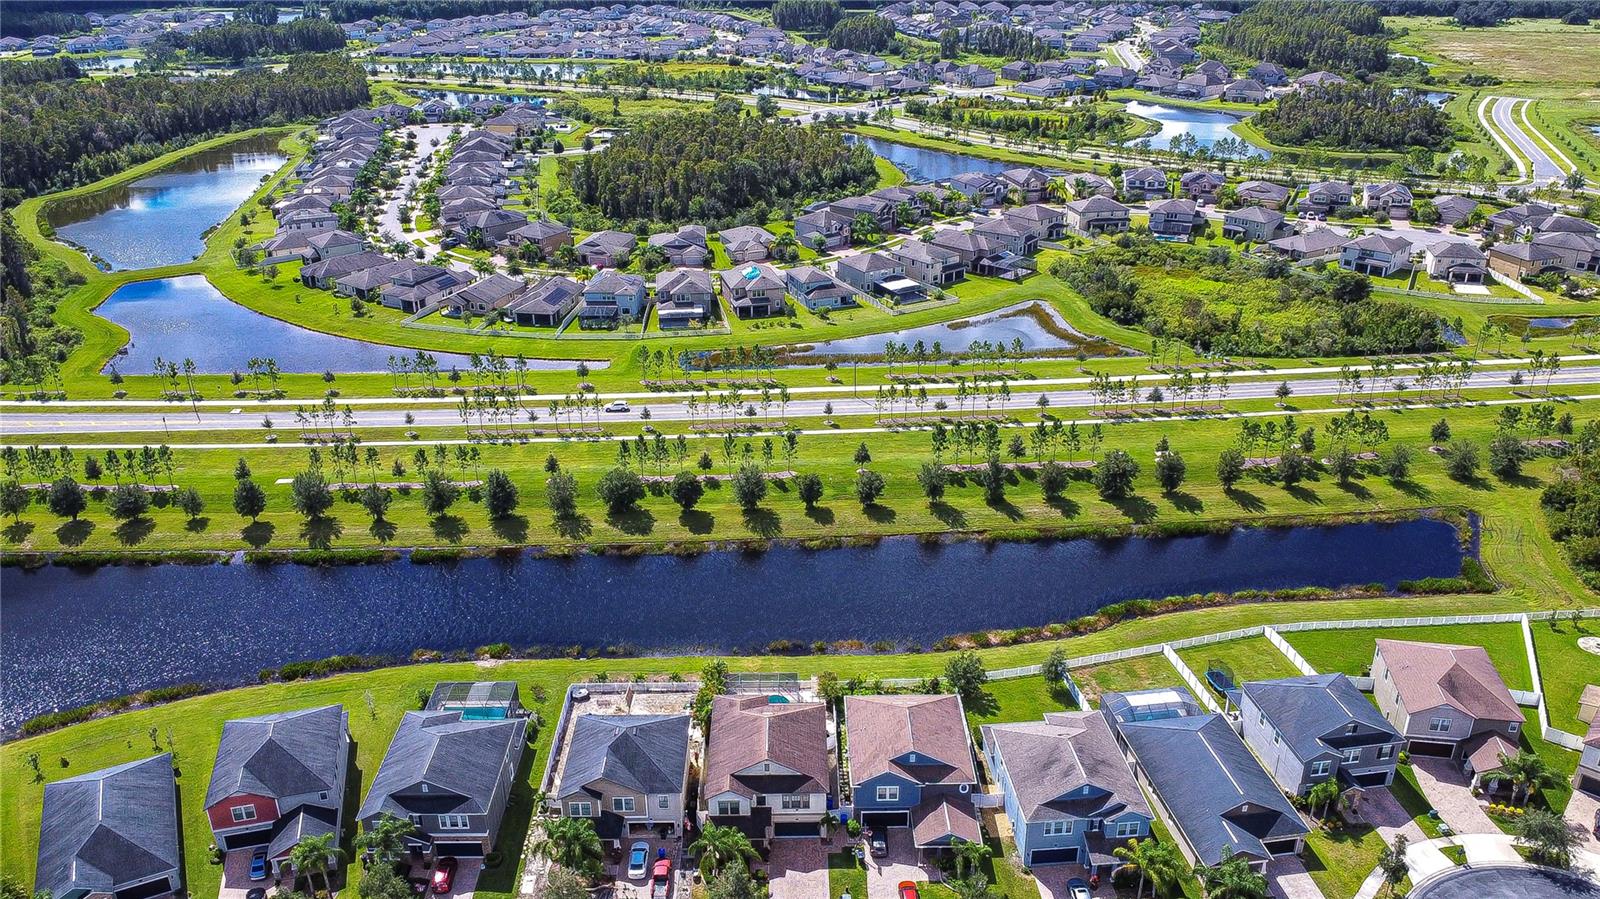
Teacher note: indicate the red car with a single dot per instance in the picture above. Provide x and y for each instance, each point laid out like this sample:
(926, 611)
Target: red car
(661, 879)
(443, 874)
(908, 890)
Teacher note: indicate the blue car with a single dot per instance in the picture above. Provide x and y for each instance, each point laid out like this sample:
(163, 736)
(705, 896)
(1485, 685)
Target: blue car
(258, 865)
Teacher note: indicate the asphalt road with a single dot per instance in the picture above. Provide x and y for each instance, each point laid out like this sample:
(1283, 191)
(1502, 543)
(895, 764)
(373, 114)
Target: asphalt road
(1022, 402)
(1508, 123)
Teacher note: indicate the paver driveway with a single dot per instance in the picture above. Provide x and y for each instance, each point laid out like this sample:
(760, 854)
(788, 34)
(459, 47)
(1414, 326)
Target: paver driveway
(884, 875)
(1288, 879)
(798, 869)
(1449, 791)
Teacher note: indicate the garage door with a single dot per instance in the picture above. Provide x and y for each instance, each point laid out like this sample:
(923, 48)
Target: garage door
(1431, 750)
(243, 840)
(1590, 785)
(1281, 847)
(156, 887)
(1053, 856)
(459, 850)
(795, 830)
(1372, 779)
(886, 819)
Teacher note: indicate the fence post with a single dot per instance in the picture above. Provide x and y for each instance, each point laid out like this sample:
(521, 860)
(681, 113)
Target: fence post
(1289, 652)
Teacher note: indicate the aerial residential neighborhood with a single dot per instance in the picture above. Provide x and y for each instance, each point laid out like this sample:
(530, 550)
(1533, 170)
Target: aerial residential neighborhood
(799, 449)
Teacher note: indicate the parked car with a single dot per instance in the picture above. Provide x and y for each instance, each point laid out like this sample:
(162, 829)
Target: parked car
(908, 889)
(1077, 889)
(878, 844)
(617, 406)
(444, 873)
(638, 857)
(661, 879)
(258, 865)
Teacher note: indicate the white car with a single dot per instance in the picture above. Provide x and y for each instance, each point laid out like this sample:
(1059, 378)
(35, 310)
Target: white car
(617, 406)
(638, 859)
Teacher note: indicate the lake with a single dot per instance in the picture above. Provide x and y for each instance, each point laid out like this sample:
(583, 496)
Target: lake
(1174, 121)
(160, 219)
(187, 318)
(72, 636)
(1004, 326)
(926, 164)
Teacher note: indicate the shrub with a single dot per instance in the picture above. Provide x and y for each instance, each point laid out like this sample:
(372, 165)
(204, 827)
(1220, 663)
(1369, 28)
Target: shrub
(686, 490)
(749, 486)
(620, 489)
(1052, 479)
(869, 486)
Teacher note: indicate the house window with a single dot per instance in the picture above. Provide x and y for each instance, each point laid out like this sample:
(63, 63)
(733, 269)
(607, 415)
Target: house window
(1513, 727)
(580, 809)
(244, 813)
(323, 795)
(1320, 768)
(664, 801)
(888, 794)
(1385, 753)
(727, 807)
(1127, 828)
(796, 802)
(1057, 828)
(1351, 756)
(454, 822)
(1439, 725)
(912, 758)
(622, 804)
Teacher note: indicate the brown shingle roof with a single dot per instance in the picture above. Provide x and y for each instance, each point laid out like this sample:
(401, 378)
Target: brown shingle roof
(941, 818)
(882, 730)
(1427, 675)
(748, 730)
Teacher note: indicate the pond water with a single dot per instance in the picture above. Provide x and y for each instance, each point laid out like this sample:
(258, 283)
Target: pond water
(1550, 324)
(160, 219)
(925, 164)
(1437, 98)
(112, 63)
(187, 318)
(1207, 127)
(462, 98)
(1001, 326)
(72, 636)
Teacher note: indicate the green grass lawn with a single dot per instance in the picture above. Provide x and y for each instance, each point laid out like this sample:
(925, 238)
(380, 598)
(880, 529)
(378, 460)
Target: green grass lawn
(1140, 673)
(1351, 651)
(1018, 699)
(846, 876)
(1339, 859)
(1252, 659)
(1565, 669)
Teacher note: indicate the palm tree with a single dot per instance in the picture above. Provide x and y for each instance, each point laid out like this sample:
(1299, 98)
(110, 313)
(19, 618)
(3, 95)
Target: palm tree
(1526, 772)
(571, 843)
(316, 855)
(1232, 878)
(1154, 861)
(969, 856)
(1323, 795)
(720, 847)
(384, 840)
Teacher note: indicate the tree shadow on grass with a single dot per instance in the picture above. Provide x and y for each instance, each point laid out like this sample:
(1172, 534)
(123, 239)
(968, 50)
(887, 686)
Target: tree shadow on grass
(382, 530)
(258, 533)
(983, 705)
(1068, 508)
(634, 521)
(1412, 488)
(18, 531)
(1007, 508)
(574, 527)
(197, 524)
(1184, 501)
(1304, 494)
(1523, 480)
(320, 532)
(1476, 482)
(510, 528)
(878, 514)
(1137, 508)
(821, 515)
(449, 528)
(1244, 499)
(73, 533)
(697, 521)
(1357, 490)
(949, 515)
(134, 531)
(763, 522)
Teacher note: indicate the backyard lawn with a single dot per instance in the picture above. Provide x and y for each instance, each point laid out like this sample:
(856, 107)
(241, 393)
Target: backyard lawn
(1351, 651)
(1252, 659)
(1140, 673)
(1565, 669)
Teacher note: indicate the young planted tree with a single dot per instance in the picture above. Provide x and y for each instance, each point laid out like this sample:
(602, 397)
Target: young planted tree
(1548, 836)
(1170, 471)
(620, 489)
(993, 480)
(309, 494)
(1230, 467)
(249, 500)
(500, 496)
(1506, 453)
(375, 500)
(561, 495)
(1053, 479)
(749, 486)
(1392, 862)
(14, 499)
(1397, 464)
(1115, 474)
(686, 490)
(1461, 460)
(869, 486)
(191, 503)
(863, 455)
(964, 674)
(66, 498)
(809, 488)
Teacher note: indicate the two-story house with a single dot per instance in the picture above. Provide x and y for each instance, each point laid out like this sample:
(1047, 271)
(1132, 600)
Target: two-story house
(1031, 184)
(816, 289)
(1325, 196)
(1456, 263)
(1068, 792)
(110, 833)
(1262, 193)
(606, 249)
(626, 773)
(754, 291)
(979, 189)
(1043, 222)
(1173, 219)
(1200, 185)
(1094, 215)
(822, 230)
(866, 271)
(1144, 183)
(611, 298)
(683, 296)
(1376, 254)
(929, 264)
(1254, 223)
(549, 236)
(278, 779)
(1448, 701)
(685, 247)
(768, 767)
(450, 775)
(1310, 729)
(1391, 199)
(747, 243)
(911, 765)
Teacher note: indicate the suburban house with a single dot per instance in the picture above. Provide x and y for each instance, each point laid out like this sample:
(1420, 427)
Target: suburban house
(111, 833)
(816, 289)
(1454, 209)
(606, 249)
(1325, 196)
(1254, 223)
(488, 227)
(1007, 234)
(308, 220)
(416, 286)
(1201, 185)
(929, 264)
(450, 774)
(683, 295)
(481, 699)
(881, 210)
(611, 298)
(754, 291)
(1207, 784)
(487, 294)
(1173, 218)
(1310, 729)
(1041, 221)
(1318, 243)
(546, 303)
(685, 247)
(1519, 260)
(1456, 263)
(911, 765)
(1089, 184)
(822, 230)
(747, 243)
(323, 274)
(1068, 791)
(1587, 777)
(626, 773)
(1269, 73)
(1031, 184)
(547, 235)
(1387, 200)
(1262, 193)
(1146, 183)
(1447, 701)
(278, 779)
(1376, 254)
(1245, 90)
(866, 271)
(768, 767)
(1096, 215)
(980, 190)
(1517, 220)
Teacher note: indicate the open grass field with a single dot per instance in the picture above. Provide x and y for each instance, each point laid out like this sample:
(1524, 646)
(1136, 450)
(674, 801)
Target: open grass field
(1532, 51)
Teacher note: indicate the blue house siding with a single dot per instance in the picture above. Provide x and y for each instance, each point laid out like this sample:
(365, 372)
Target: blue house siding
(866, 795)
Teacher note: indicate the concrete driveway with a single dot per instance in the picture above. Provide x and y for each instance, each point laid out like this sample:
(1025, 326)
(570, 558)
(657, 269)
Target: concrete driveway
(1581, 811)
(1287, 878)
(236, 880)
(798, 869)
(1449, 791)
(463, 885)
(884, 875)
(1052, 879)
(622, 886)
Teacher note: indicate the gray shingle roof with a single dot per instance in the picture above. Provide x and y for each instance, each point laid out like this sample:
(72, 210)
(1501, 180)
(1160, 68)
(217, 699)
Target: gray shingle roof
(287, 754)
(461, 762)
(110, 828)
(1306, 710)
(647, 753)
(1050, 763)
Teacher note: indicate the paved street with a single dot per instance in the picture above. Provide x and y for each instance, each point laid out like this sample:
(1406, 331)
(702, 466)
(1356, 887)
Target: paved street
(389, 215)
(1509, 123)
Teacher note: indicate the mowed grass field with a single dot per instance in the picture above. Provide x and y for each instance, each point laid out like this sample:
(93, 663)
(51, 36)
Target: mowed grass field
(1536, 51)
